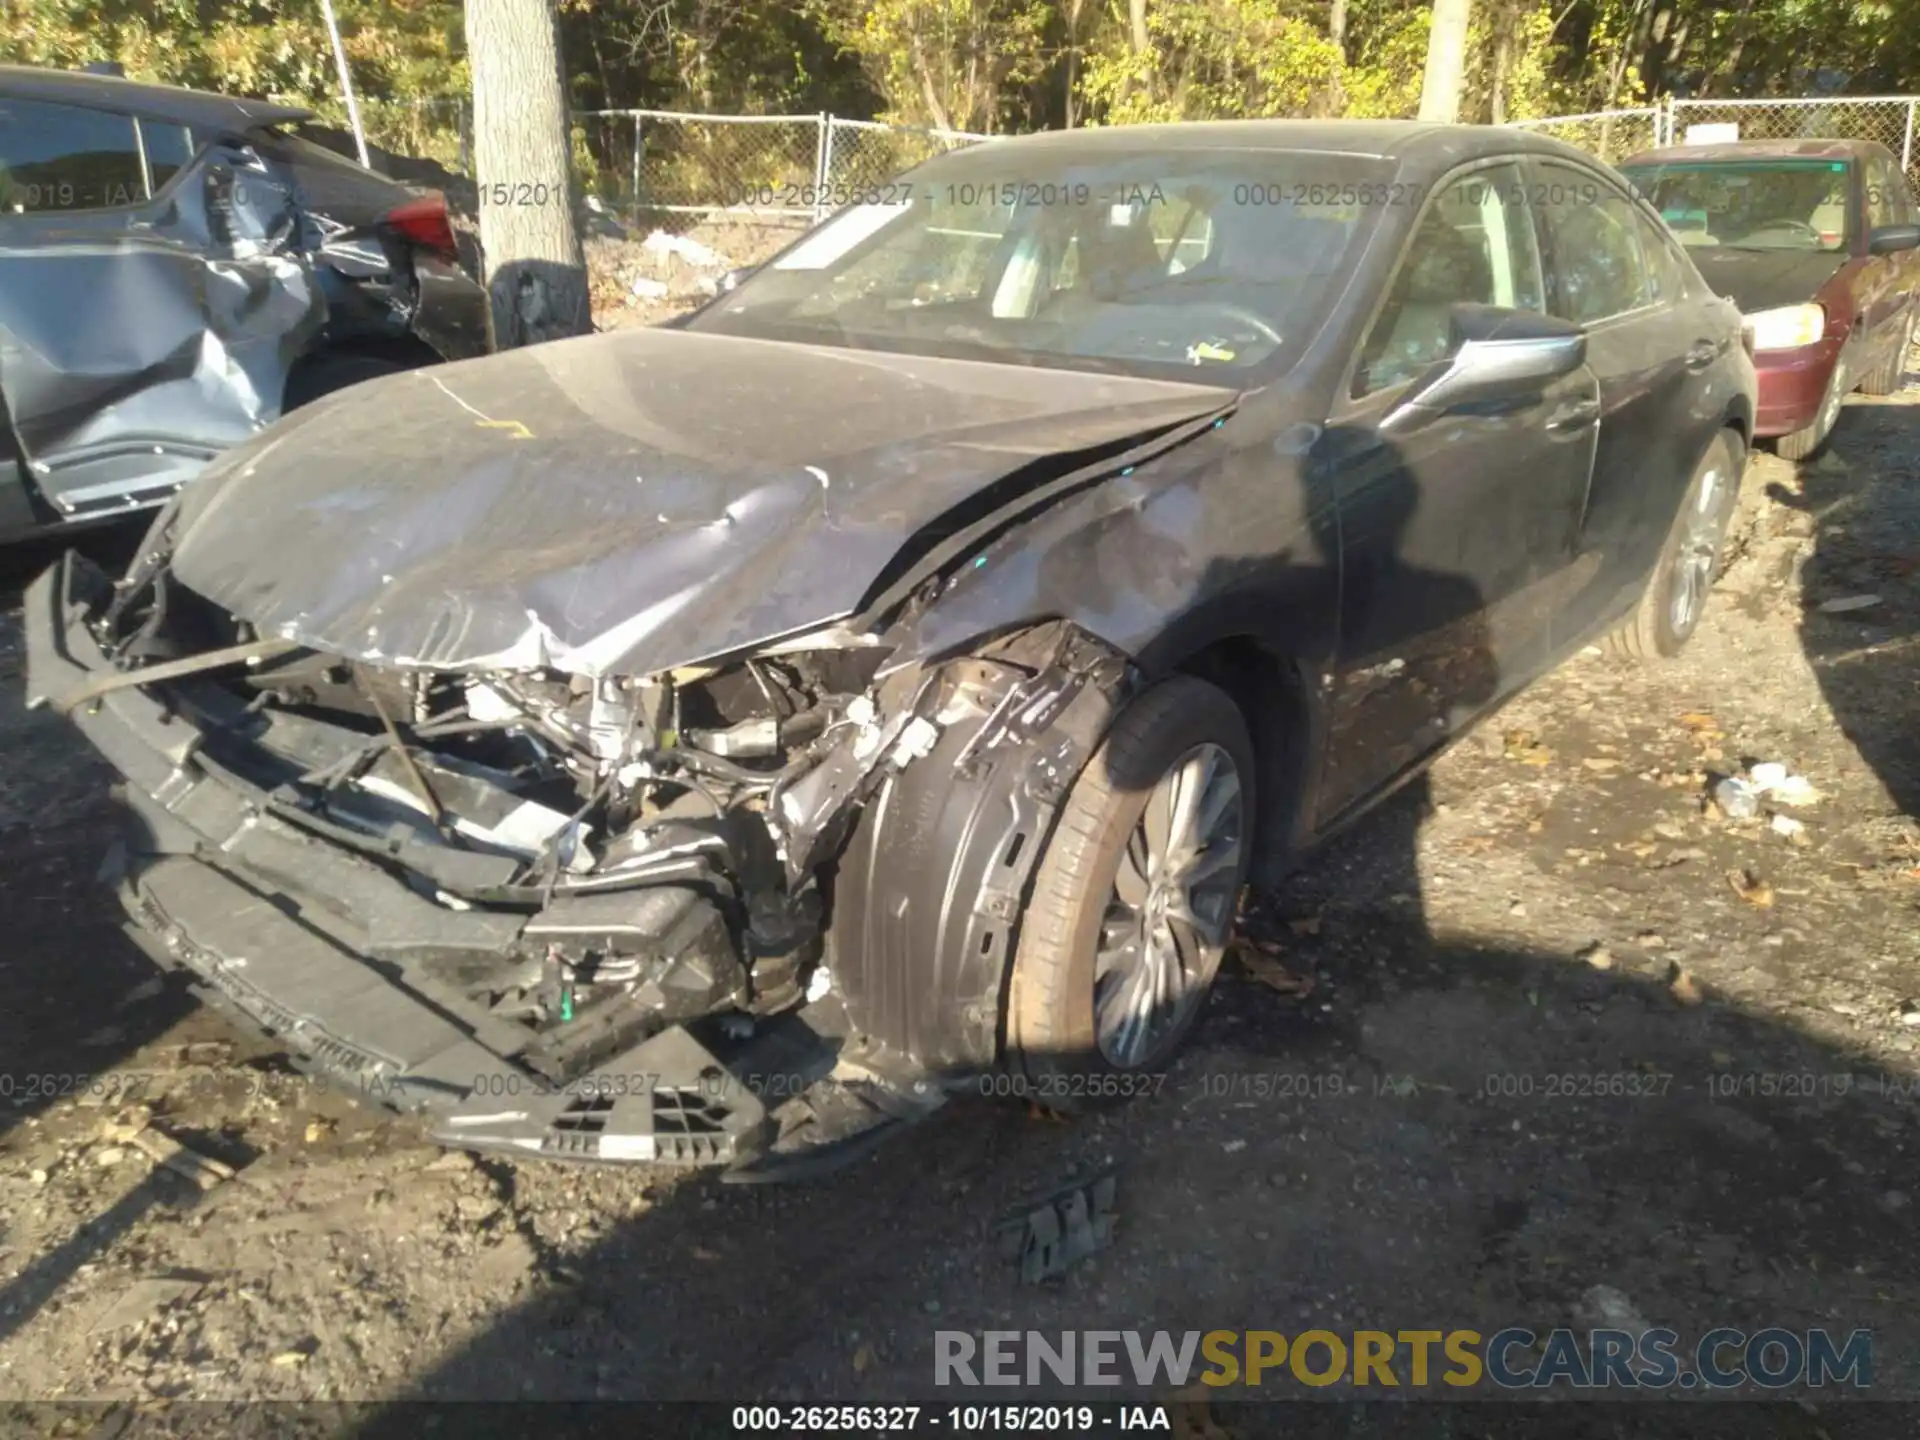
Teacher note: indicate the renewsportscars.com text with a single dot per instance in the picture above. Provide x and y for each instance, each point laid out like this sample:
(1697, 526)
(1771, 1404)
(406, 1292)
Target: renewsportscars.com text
(1774, 1358)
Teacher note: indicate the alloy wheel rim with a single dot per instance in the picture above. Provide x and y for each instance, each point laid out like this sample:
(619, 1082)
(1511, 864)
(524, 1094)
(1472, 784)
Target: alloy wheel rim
(1170, 907)
(1699, 547)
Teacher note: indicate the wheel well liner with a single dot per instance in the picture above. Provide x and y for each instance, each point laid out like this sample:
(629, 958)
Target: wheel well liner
(927, 895)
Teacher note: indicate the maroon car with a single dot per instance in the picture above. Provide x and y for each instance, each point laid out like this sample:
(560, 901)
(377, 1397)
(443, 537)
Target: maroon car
(1815, 241)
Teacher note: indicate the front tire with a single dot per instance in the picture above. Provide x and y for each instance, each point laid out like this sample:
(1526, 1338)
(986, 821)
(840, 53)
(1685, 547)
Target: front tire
(1134, 899)
(1806, 442)
(1886, 377)
(1670, 608)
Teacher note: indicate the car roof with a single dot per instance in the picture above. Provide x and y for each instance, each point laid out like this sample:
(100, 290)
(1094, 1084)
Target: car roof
(1409, 141)
(1734, 150)
(196, 109)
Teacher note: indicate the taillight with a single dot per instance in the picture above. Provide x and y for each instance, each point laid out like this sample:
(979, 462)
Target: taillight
(424, 222)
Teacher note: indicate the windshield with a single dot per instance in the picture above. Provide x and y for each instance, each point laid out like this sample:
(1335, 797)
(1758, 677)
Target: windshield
(1189, 262)
(1750, 204)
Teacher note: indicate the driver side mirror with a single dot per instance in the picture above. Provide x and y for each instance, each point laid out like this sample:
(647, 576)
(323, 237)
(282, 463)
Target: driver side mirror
(1495, 355)
(1887, 239)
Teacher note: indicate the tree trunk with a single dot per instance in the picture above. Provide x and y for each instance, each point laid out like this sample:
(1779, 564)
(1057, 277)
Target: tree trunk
(1072, 16)
(1137, 23)
(1446, 61)
(536, 277)
(1503, 25)
(1337, 27)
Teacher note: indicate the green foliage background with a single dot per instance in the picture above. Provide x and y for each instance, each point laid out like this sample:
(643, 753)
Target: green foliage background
(993, 65)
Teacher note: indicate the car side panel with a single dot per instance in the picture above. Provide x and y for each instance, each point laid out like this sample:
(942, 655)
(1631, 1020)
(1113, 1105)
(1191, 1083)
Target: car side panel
(1658, 415)
(1887, 282)
(1230, 535)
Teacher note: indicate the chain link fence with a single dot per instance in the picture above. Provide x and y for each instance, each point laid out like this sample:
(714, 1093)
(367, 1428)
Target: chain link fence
(670, 162)
(1613, 135)
(1609, 135)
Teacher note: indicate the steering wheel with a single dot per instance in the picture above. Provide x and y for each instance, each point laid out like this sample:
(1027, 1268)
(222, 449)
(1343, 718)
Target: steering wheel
(1239, 314)
(1787, 222)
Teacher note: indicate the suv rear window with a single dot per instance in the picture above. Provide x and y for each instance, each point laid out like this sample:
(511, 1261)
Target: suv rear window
(330, 183)
(65, 157)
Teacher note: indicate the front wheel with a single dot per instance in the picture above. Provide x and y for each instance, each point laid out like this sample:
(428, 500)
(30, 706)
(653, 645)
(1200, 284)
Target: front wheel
(1134, 899)
(1886, 377)
(1669, 610)
(1805, 443)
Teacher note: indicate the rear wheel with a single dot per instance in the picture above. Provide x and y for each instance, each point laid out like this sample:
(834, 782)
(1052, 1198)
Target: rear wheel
(1886, 376)
(1805, 443)
(1134, 900)
(1669, 611)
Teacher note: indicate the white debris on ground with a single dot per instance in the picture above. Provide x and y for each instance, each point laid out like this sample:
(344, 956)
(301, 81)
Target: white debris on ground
(645, 281)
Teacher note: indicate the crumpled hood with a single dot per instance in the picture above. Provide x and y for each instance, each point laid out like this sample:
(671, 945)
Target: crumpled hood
(1757, 280)
(622, 503)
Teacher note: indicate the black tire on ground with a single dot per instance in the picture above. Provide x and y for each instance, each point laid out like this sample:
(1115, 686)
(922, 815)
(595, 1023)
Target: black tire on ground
(322, 374)
(1050, 1028)
(1885, 378)
(1652, 631)
(1806, 442)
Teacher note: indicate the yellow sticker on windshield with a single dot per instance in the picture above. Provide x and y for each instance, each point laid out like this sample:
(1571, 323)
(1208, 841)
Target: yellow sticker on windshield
(1206, 350)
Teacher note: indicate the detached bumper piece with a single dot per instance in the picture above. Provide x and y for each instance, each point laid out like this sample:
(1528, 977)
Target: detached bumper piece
(669, 1100)
(367, 981)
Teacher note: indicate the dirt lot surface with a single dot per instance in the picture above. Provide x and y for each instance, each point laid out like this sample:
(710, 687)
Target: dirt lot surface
(1568, 1027)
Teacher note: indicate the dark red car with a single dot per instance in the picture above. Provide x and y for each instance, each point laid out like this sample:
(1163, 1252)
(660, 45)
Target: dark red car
(1815, 241)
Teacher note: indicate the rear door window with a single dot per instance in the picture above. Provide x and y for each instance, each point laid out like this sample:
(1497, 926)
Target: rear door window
(168, 148)
(1599, 264)
(57, 158)
(1665, 269)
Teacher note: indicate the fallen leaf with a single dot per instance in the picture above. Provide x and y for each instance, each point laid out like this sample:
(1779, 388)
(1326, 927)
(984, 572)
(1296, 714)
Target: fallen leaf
(1522, 746)
(289, 1357)
(1601, 763)
(1310, 925)
(1846, 604)
(1684, 988)
(1750, 887)
(319, 1128)
(1260, 962)
(863, 1360)
(1699, 720)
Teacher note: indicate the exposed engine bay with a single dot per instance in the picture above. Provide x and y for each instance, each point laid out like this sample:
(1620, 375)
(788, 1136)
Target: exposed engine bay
(587, 866)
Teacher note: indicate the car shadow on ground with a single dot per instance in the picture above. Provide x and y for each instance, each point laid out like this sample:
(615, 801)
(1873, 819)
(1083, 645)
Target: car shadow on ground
(66, 970)
(1861, 629)
(1433, 1154)
(78, 999)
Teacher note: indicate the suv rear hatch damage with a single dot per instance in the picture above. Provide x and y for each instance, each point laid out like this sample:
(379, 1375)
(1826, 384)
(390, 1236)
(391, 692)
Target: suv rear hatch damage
(567, 792)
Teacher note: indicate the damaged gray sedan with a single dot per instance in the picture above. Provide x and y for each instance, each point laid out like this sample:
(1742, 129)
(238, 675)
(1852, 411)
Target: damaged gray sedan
(721, 744)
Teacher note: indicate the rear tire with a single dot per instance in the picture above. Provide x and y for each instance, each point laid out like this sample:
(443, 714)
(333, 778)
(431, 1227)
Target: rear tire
(1669, 610)
(1083, 1029)
(322, 374)
(1887, 376)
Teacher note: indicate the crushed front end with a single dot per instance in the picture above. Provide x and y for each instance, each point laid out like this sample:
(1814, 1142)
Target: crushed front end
(571, 916)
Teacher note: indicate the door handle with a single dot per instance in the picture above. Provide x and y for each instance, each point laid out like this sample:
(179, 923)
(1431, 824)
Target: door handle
(1703, 353)
(1576, 416)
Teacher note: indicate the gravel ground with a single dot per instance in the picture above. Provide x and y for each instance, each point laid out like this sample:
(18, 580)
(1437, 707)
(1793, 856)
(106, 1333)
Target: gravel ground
(1418, 1141)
